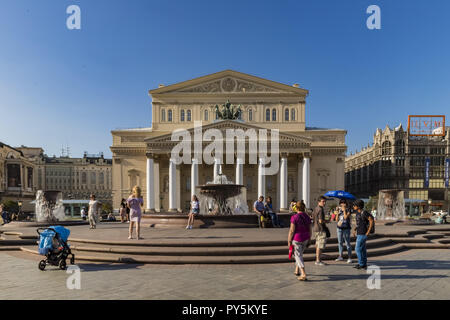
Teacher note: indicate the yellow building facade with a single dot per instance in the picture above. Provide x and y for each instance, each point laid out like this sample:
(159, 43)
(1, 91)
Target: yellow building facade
(311, 160)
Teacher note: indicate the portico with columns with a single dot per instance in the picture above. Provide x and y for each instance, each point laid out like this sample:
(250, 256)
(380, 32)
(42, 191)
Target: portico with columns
(310, 159)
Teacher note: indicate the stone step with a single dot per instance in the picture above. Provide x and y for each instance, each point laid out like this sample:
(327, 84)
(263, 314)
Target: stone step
(216, 251)
(198, 243)
(139, 259)
(17, 242)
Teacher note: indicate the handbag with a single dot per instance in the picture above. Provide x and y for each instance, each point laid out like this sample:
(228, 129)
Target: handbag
(291, 249)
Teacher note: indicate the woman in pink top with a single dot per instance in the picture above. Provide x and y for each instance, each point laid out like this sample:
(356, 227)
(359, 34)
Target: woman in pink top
(299, 235)
(135, 202)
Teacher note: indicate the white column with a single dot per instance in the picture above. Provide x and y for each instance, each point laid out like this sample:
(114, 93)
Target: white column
(261, 179)
(239, 171)
(150, 185)
(194, 176)
(156, 186)
(299, 181)
(283, 184)
(172, 186)
(306, 182)
(178, 189)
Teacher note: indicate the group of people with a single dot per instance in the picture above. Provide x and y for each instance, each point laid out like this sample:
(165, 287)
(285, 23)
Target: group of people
(303, 227)
(130, 211)
(264, 212)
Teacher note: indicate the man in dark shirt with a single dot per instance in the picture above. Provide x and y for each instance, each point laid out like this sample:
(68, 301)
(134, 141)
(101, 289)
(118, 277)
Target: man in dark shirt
(364, 223)
(319, 229)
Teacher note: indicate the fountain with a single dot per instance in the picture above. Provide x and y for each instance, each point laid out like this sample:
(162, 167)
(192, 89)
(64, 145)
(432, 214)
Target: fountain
(222, 197)
(391, 205)
(49, 206)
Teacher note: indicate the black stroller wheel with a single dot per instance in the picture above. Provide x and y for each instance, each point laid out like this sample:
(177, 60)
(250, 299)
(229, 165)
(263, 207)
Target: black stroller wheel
(62, 265)
(42, 265)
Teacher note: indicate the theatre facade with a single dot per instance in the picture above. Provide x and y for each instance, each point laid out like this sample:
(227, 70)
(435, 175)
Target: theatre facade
(311, 159)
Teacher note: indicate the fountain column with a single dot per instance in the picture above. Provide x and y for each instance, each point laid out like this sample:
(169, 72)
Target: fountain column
(283, 184)
(150, 184)
(261, 179)
(306, 182)
(172, 186)
(194, 176)
(216, 169)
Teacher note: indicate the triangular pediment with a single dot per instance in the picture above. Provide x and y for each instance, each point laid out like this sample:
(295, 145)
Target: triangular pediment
(229, 82)
(224, 125)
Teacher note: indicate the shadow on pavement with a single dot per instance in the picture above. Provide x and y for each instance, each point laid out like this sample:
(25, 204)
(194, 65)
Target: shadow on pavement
(411, 264)
(107, 266)
(363, 275)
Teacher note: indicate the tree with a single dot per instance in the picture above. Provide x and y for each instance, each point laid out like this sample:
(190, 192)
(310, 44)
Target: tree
(107, 207)
(11, 206)
(372, 203)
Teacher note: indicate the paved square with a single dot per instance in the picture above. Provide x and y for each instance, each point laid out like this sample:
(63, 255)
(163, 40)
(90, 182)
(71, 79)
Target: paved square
(413, 274)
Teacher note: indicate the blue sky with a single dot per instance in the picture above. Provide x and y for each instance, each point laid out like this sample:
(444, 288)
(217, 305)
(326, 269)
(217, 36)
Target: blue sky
(72, 87)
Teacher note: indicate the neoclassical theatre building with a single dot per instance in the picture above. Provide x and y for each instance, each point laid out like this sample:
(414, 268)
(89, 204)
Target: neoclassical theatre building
(311, 160)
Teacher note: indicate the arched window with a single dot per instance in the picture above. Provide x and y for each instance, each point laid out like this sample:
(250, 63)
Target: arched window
(267, 114)
(83, 178)
(189, 115)
(163, 115)
(292, 114)
(250, 115)
(286, 114)
(182, 115)
(386, 148)
(274, 114)
(169, 115)
(206, 115)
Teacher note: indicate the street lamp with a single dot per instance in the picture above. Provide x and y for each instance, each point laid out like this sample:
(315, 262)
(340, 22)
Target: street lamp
(429, 205)
(19, 203)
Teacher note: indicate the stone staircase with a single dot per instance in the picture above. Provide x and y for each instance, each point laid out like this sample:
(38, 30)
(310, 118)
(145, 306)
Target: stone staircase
(221, 252)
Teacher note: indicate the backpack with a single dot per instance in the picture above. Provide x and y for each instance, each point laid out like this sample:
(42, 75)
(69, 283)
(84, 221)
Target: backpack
(366, 215)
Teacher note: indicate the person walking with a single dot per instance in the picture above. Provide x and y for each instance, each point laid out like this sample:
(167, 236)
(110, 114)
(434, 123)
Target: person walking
(343, 230)
(195, 211)
(319, 229)
(123, 211)
(273, 216)
(258, 208)
(83, 213)
(299, 236)
(92, 212)
(364, 224)
(135, 202)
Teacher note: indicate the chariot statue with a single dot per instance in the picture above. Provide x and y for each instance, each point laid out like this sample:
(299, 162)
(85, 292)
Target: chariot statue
(228, 112)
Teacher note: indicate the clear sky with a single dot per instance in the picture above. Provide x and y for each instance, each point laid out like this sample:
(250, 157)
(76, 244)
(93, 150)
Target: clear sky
(72, 87)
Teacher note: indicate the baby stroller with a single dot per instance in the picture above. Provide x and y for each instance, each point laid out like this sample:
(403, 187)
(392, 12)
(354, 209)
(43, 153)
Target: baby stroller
(53, 244)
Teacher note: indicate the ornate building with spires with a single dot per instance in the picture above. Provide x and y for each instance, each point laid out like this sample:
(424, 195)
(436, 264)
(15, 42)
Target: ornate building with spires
(396, 160)
(311, 159)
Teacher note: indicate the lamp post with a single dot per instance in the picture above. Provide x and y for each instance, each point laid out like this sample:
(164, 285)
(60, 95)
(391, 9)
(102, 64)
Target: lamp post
(19, 203)
(429, 205)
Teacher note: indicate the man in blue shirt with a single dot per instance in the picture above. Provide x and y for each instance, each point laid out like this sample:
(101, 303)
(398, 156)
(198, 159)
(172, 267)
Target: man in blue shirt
(258, 207)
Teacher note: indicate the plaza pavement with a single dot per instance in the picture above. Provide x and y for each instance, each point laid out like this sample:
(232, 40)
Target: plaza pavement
(414, 274)
(411, 274)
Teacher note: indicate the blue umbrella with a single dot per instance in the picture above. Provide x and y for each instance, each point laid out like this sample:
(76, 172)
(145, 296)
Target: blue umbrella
(340, 194)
